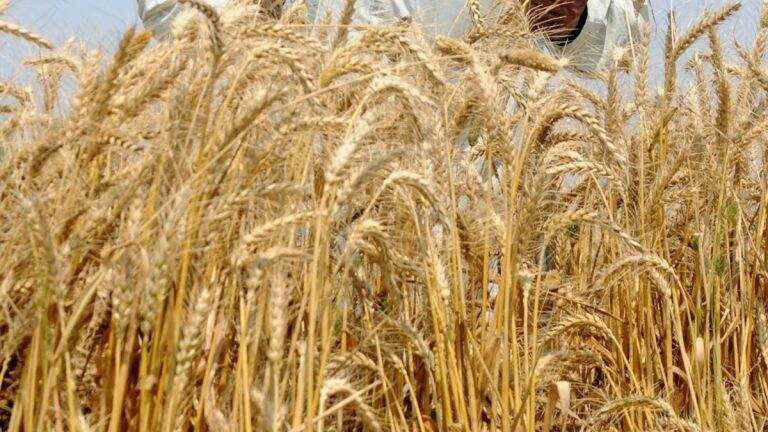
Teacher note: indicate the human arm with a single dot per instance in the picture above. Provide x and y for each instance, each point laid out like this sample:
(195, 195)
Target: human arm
(608, 24)
(588, 31)
(158, 15)
(584, 31)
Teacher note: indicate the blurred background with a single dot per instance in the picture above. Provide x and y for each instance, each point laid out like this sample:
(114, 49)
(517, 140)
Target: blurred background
(100, 23)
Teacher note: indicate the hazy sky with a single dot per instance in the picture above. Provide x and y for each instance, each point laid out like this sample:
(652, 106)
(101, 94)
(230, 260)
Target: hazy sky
(100, 22)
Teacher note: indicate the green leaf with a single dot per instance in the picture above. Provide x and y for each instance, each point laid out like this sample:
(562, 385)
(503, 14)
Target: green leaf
(732, 211)
(720, 265)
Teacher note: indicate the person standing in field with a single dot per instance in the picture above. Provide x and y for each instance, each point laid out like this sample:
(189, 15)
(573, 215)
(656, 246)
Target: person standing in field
(584, 31)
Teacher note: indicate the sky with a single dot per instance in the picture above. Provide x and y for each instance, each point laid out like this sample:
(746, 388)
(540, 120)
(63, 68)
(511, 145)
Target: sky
(100, 23)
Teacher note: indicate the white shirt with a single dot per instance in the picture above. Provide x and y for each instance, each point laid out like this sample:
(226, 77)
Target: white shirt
(157, 15)
(609, 24)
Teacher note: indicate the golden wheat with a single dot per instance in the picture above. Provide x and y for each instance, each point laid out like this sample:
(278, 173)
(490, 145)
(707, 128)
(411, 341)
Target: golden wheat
(256, 226)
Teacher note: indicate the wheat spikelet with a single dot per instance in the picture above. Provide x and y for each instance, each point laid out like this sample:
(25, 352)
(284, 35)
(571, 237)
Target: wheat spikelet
(567, 136)
(576, 167)
(22, 33)
(753, 66)
(334, 386)
(625, 236)
(397, 85)
(262, 231)
(263, 259)
(725, 411)
(285, 33)
(705, 24)
(22, 95)
(452, 47)
(663, 180)
(579, 113)
(364, 176)
(592, 96)
(764, 15)
(617, 407)
(186, 354)
(61, 59)
(568, 218)
(642, 61)
(413, 180)
(44, 252)
(214, 417)
(213, 19)
(98, 93)
(761, 325)
(654, 262)
(551, 366)
(581, 323)
(426, 59)
(367, 229)
(742, 415)
(533, 60)
(546, 370)
(344, 153)
(477, 15)
(344, 21)
(481, 75)
(723, 121)
(156, 290)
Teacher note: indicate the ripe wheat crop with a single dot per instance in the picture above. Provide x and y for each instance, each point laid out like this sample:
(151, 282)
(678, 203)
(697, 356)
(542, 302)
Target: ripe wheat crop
(265, 225)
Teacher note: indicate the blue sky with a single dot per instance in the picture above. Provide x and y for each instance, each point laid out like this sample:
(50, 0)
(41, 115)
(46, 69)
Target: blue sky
(100, 23)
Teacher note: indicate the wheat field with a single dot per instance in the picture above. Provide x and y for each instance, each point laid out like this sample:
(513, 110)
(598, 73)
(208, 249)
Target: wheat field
(258, 226)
